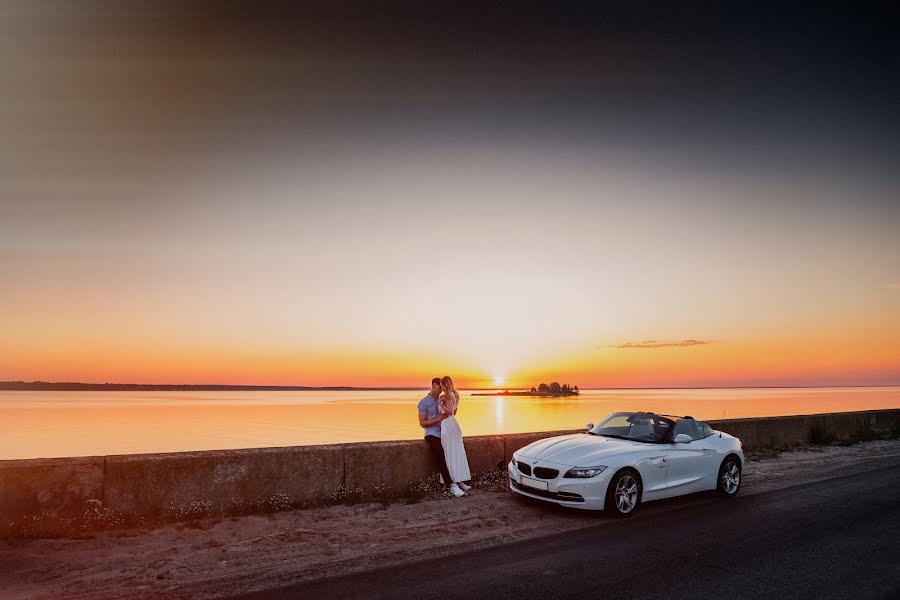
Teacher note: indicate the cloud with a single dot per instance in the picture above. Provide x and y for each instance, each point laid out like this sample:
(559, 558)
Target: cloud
(652, 344)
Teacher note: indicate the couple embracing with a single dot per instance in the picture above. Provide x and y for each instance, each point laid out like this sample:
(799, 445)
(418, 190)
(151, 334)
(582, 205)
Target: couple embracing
(437, 416)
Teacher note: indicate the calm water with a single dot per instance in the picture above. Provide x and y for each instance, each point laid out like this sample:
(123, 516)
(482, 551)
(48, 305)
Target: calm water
(49, 424)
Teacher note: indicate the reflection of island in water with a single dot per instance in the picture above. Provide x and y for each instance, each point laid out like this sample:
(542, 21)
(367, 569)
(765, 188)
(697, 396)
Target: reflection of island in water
(544, 391)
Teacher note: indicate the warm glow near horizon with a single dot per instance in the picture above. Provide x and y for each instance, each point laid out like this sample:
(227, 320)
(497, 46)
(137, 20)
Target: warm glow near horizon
(293, 294)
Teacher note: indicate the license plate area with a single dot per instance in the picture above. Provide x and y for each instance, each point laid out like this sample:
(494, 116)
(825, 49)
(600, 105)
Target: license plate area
(534, 483)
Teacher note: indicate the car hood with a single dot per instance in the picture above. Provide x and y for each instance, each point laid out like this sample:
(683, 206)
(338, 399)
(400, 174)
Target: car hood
(579, 450)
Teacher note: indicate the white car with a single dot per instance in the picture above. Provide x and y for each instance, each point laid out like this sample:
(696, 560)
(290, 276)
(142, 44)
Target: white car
(628, 458)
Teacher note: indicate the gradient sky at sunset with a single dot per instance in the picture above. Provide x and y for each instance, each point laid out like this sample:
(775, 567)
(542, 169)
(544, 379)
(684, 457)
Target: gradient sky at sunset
(654, 196)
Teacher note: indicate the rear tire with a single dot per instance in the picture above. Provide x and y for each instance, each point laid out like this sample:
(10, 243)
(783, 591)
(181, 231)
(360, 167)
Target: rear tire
(728, 482)
(623, 496)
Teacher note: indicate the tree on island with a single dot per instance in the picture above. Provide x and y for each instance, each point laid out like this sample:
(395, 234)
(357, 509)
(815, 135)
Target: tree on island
(552, 390)
(555, 389)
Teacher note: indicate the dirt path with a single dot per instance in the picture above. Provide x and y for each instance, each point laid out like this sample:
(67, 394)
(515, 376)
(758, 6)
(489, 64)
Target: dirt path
(261, 552)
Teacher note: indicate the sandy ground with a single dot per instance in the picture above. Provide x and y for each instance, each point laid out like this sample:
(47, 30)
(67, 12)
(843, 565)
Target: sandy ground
(263, 552)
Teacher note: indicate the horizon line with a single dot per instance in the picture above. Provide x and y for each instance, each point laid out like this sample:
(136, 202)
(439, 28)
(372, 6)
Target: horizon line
(265, 387)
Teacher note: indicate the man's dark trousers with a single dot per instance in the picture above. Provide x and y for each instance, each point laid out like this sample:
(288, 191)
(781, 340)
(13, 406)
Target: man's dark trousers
(437, 451)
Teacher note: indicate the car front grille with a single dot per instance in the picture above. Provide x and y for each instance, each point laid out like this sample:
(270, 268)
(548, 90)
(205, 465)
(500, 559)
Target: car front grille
(545, 473)
(524, 468)
(562, 496)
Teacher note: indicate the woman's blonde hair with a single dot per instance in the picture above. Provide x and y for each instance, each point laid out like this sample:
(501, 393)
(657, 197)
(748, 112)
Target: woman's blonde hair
(448, 386)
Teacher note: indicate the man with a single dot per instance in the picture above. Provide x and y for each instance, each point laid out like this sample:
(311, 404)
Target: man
(430, 418)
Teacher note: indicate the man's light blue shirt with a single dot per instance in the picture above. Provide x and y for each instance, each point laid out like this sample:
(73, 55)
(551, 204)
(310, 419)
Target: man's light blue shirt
(430, 408)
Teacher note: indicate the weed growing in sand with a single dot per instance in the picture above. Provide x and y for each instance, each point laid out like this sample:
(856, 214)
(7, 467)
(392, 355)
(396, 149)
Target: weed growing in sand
(423, 486)
(762, 454)
(95, 516)
(495, 480)
(274, 503)
(198, 509)
(340, 495)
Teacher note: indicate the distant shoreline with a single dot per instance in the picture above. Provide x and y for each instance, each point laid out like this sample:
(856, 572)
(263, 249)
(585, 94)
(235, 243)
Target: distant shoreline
(13, 386)
(41, 386)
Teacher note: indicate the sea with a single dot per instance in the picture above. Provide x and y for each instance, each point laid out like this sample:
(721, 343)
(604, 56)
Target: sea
(63, 423)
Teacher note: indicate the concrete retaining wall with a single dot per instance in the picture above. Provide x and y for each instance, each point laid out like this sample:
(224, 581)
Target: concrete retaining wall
(65, 496)
(788, 432)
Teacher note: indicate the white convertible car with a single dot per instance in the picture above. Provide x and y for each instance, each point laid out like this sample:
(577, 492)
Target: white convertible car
(628, 458)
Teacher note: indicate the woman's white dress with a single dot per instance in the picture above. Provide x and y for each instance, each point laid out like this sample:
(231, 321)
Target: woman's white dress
(452, 441)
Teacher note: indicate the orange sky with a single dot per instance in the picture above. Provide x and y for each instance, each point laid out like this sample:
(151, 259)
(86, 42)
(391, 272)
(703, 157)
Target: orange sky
(343, 201)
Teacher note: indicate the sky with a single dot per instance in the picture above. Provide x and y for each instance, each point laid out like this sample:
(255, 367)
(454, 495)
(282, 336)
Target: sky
(350, 194)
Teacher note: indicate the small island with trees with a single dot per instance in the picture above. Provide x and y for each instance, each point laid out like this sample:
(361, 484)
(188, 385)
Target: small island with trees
(544, 391)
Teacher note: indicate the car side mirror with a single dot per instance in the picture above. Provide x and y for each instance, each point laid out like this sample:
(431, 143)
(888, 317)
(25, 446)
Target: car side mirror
(683, 438)
(590, 426)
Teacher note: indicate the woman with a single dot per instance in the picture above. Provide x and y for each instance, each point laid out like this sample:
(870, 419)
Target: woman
(451, 436)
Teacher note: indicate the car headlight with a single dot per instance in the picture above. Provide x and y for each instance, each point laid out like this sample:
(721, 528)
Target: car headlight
(582, 473)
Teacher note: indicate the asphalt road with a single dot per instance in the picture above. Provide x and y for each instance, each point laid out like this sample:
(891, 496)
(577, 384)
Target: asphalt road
(835, 538)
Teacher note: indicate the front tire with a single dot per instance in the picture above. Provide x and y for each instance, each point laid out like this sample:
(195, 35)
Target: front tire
(624, 493)
(729, 479)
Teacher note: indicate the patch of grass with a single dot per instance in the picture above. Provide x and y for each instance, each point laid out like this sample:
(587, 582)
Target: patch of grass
(867, 435)
(820, 439)
(763, 453)
(496, 480)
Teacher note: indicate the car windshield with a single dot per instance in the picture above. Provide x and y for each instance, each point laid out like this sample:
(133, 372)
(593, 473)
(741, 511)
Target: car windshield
(635, 426)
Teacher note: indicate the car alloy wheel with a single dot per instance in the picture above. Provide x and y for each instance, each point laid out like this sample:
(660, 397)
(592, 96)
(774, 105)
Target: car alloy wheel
(626, 494)
(731, 478)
